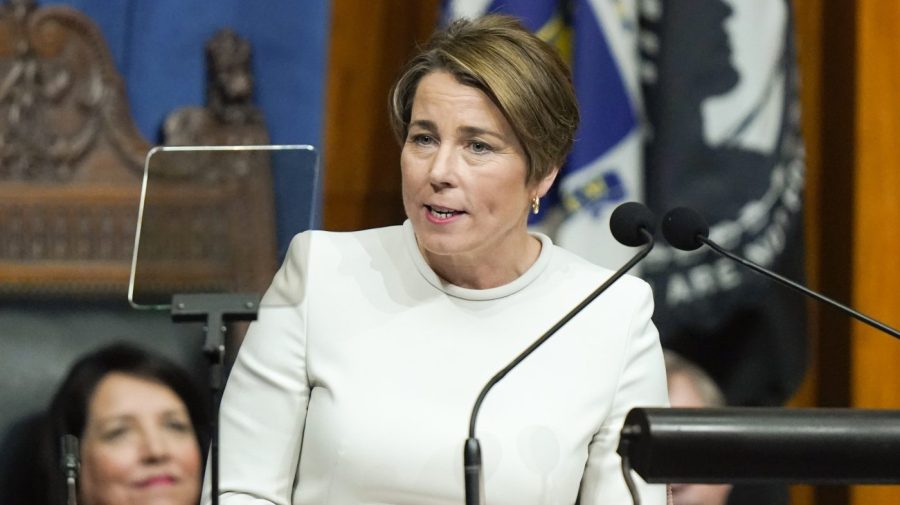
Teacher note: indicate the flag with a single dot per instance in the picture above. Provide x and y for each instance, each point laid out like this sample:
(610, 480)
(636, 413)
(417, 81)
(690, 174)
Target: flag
(724, 138)
(598, 38)
(684, 103)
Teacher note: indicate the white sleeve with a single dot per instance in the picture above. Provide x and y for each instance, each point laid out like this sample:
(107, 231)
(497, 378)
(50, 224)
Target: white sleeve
(263, 409)
(642, 383)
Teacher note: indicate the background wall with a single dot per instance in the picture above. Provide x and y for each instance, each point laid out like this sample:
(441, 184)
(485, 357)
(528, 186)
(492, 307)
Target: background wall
(851, 115)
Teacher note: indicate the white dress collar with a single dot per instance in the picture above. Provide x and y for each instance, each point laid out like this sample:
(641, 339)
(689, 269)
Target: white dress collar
(520, 283)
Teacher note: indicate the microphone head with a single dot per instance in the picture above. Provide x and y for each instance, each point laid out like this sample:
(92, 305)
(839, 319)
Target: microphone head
(69, 459)
(627, 221)
(682, 227)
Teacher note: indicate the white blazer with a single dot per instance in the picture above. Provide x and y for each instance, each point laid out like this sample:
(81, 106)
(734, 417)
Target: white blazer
(357, 382)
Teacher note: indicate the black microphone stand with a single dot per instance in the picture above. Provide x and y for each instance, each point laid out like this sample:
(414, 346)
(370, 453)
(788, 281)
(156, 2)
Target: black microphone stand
(799, 287)
(70, 464)
(687, 230)
(215, 309)
(474, 485)
(758, 444)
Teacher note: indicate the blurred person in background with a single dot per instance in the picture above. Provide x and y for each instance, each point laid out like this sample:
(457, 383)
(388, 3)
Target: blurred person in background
(691, 387)
(139, 419)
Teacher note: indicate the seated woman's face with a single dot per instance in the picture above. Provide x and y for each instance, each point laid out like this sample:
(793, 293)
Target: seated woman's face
(138, 446)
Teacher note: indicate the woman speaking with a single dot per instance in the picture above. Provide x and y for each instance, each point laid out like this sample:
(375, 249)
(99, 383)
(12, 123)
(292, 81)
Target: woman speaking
(356, 383)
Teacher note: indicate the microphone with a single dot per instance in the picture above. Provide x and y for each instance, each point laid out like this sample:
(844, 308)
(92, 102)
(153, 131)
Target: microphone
(70, 464)
(631, 223)
(686, 229)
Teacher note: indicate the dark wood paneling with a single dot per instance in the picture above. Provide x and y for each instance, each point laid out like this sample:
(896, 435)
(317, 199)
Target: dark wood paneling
(808, 37)
(826, 36)
(876, 224)
(849, 57)
(370, 41)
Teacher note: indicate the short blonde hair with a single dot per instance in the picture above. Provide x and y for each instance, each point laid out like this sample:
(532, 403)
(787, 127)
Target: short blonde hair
(523, 75)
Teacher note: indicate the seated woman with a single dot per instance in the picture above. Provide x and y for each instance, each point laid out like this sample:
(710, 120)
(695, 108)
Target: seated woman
(139, 420)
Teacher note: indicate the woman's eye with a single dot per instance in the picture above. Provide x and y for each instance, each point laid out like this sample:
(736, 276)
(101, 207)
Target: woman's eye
(179, 426)
(423, 140)
(114, 433)
(479, 147)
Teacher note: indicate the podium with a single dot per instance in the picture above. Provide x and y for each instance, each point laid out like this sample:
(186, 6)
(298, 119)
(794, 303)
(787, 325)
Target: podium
(761, 445)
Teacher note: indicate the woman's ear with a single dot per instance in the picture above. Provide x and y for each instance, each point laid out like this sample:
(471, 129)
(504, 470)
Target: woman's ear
(543, 186)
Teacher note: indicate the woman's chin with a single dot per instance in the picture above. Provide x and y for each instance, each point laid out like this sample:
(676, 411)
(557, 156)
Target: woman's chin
(441, 247)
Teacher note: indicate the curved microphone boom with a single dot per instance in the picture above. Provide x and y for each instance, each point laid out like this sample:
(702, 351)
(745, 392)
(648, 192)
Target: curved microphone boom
(632, 224)
(685, 229)
(745, 444)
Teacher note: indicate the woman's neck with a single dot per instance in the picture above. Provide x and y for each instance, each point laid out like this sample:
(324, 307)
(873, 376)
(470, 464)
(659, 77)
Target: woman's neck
(479, 272)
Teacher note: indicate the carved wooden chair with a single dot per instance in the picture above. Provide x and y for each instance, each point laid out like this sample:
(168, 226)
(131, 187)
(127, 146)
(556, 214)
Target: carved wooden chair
(71, 162)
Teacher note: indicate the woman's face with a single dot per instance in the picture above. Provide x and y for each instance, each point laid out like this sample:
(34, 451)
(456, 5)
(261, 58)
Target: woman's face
(138, 446)
(464, 174)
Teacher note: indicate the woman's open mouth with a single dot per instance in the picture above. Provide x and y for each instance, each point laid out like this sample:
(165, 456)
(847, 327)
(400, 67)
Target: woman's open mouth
(441, 214)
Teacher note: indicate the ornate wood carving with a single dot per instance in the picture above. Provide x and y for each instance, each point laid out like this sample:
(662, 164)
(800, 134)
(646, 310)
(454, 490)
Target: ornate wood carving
(71, 162)
(59, 96)
(230, 117)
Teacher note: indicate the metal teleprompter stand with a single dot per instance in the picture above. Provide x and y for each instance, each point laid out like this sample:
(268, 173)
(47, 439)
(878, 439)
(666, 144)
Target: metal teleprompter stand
(215, 309)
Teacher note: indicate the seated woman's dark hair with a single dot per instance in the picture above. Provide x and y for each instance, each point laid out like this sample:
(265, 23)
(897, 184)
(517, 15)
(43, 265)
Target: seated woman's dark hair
(68, 411)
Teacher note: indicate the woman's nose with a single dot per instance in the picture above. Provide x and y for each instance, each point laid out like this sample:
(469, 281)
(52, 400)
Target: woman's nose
(442, 172)
(154, 446)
